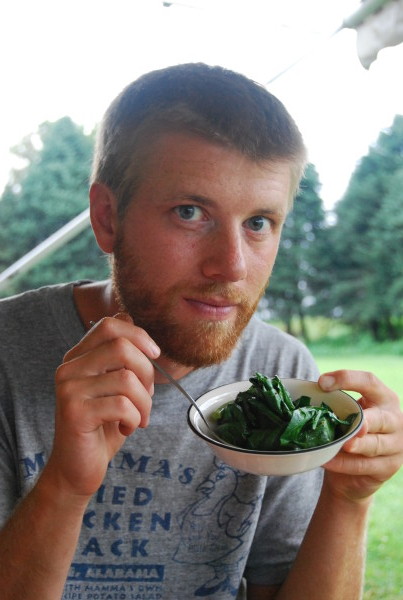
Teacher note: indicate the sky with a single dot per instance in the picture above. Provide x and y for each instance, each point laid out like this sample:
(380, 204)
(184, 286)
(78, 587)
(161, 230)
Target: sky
(72, 57)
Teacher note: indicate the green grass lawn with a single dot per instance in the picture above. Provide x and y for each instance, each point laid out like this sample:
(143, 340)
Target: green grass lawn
(384, 577)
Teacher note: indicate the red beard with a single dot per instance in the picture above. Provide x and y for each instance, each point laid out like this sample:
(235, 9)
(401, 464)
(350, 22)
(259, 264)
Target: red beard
(197, 344)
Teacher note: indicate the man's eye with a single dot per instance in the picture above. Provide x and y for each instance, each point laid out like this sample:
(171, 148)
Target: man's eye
(258, 223)
(188, 212)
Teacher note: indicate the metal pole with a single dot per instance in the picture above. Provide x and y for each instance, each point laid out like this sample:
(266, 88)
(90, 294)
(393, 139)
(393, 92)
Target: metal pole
(57, 239)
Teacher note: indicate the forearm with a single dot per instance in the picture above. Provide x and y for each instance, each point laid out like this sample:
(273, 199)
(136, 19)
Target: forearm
(38, 543)
(331, 560)
(103, 393)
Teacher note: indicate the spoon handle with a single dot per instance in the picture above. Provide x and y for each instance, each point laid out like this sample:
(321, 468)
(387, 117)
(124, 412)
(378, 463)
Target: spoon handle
(180, 388)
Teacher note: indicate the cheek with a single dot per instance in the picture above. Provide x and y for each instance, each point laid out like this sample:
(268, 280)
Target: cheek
(180, 254)
(158, 251)
(168, 264)
(261, 264)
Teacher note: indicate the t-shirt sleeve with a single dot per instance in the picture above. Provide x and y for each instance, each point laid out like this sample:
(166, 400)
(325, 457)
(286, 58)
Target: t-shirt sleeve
(276, 542)
(9, 492)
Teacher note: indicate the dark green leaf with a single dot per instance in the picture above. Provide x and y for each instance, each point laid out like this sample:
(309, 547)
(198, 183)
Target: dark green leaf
(264, 417)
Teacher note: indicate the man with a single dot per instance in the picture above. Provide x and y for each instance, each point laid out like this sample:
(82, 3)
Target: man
(194, 172)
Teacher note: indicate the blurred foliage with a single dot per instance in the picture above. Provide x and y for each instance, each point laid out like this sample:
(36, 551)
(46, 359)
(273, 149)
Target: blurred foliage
(350, 269)
(297, 277)
(367, 240)
(43, 196)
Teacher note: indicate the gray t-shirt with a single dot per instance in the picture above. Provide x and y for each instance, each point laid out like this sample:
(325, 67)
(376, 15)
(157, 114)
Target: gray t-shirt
(170, 521)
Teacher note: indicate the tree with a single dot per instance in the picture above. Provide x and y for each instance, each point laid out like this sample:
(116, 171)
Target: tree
(46, 194)
(386, 278)
(367, 240)
(296, 280)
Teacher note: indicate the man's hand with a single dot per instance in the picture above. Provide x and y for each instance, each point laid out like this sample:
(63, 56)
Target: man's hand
(376, 453)
(103, 394)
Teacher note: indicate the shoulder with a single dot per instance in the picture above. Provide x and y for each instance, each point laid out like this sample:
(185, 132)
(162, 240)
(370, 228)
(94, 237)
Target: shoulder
(17, 312)
(25, 308)
(39, 319)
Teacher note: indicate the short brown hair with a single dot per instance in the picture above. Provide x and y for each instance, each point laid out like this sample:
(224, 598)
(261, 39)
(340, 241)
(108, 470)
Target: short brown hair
(215, 103)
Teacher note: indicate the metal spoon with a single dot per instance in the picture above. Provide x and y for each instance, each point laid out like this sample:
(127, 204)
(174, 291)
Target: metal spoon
(212, 433)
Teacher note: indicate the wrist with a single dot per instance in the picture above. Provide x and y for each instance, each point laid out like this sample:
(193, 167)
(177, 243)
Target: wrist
(339, 498)
(52, 490)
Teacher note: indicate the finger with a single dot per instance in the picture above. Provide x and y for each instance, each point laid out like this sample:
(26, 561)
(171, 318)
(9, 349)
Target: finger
(112, 409)
(111, 328)
(380, 434)
(380, 468)
(124, 383)
(375, 444)
(381, 421)
(112, 385)
(367, 384)
(383, 434)
(113, 355)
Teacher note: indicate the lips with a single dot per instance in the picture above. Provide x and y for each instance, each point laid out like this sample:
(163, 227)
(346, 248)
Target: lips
(219, 308)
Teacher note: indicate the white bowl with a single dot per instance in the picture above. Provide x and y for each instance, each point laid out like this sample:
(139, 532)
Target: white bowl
(279, 462)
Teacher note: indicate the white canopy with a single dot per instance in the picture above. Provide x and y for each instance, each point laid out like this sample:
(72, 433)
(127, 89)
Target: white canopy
(379, 24)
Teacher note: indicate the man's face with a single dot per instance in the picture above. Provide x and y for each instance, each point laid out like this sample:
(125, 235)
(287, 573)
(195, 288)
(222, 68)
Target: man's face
(197, 245)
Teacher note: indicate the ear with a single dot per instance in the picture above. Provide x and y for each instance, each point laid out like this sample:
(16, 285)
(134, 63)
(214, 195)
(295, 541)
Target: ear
(103, 213)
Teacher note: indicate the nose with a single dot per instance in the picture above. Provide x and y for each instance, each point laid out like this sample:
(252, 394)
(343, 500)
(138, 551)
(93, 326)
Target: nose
(224, 256)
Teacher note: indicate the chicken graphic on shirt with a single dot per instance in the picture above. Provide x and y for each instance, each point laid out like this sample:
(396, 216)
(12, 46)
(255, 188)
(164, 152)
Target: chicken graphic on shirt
(213, 527)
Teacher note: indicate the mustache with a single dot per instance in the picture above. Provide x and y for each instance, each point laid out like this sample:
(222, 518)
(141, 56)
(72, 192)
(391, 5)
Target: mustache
(224, 291)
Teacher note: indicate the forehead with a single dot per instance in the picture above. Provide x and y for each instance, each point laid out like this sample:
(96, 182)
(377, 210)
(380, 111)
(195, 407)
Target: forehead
(179, 161)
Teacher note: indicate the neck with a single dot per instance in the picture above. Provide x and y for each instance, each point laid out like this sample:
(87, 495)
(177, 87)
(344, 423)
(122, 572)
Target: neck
(95, 301)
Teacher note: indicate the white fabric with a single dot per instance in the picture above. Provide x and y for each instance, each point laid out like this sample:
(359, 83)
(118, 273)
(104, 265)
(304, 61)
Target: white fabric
(380, 30)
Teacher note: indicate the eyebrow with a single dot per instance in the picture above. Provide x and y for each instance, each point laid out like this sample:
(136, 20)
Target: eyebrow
(196, 198)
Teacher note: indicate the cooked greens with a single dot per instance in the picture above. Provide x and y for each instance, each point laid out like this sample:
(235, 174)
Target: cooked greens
(265, 417)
